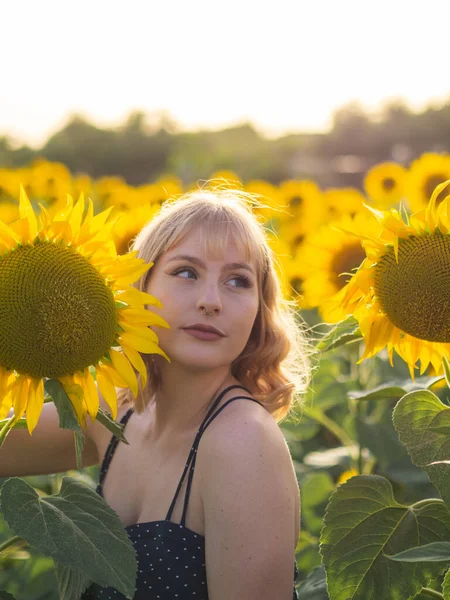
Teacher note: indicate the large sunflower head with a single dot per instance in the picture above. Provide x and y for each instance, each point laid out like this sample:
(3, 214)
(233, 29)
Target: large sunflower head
(67, 310)
(400, 293)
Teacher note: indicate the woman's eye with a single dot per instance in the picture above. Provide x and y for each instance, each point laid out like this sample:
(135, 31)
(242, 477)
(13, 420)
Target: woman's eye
(241, 282)
(185, 273)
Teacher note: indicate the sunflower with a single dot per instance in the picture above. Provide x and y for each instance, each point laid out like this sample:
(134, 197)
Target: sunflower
(424, 175)
(129, 224)
(399, 295)
(67, 310)
(328, 257)
(343, 201)
(385, 184)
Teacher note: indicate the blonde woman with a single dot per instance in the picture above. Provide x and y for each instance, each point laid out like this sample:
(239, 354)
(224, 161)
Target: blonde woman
(206, 487)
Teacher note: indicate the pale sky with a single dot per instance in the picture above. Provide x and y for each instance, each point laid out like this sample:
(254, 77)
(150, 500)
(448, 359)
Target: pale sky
(283, 65)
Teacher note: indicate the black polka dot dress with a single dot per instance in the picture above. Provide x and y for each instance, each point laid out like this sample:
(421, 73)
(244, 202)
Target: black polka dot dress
(171, 557)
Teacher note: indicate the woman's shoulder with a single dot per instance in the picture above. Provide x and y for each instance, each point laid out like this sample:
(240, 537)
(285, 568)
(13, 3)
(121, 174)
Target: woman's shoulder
(240, 424)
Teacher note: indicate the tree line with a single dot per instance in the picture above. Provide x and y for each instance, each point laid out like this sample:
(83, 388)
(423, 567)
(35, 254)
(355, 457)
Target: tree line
(147, 147)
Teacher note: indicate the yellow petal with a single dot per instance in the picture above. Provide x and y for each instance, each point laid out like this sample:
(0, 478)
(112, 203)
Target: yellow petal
(137, 362)
(136, 316)
(76, 217)
(90, 393)
(140, 332)
(26, 212)
(8, 237)
(141, 344)
(19, 393)
(5, 406)
(35, 403)
(72, 387)
(114, 376)
(133, 296)
(107, 389)
(122, 365)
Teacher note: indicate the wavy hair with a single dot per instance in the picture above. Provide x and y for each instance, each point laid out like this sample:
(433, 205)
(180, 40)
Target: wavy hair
(274, 364)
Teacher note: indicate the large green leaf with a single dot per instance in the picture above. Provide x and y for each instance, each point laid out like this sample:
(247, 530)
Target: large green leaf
(435, 552)
(71, 584)
(416, 418)
(314, 587)
(67, 415)
(342, 333)
(6, 596)
(363, 522)
(76, 528)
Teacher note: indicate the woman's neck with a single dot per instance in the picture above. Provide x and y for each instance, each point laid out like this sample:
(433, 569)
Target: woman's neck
(182, 399)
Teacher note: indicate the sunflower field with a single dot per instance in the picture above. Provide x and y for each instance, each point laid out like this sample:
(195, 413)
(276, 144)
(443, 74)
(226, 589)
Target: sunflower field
(369, 274)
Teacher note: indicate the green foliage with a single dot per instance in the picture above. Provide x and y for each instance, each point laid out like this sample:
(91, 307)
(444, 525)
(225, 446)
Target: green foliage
(314, 587)
(446, 586)
(416, 417)
(342, 333)
(77, 529)
(67, 416)
(363, 524)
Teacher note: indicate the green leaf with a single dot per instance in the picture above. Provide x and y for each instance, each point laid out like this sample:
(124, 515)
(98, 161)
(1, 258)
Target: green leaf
(395, 389)
(314, 587)
(342, 333)
(415, 416)
(76, 528)
(6, 596)
(67, 415)
(363, 522)
(446, 586)
(435, 552)
(71, 584)
(115, 428)
(446, 370)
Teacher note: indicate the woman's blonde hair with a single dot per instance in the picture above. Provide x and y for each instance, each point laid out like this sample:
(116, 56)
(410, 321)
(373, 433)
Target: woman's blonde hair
(274, 364)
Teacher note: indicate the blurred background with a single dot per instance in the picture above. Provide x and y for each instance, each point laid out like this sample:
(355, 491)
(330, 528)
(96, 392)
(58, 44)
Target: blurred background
(294, 89)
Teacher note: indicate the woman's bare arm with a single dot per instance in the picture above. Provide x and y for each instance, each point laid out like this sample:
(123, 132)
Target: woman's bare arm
(251, 505)
(49, 449)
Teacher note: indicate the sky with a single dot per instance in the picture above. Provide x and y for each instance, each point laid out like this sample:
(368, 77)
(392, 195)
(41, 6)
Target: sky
(285, 65)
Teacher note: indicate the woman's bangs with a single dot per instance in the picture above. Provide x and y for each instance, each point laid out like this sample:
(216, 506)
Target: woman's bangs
(216, 233)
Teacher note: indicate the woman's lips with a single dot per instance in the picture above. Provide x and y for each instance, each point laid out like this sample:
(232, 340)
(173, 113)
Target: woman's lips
(207, 336)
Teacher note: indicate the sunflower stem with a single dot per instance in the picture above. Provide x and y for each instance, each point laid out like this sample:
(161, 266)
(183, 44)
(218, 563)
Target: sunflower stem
(331, 425)
(10, 542)
(6, 429)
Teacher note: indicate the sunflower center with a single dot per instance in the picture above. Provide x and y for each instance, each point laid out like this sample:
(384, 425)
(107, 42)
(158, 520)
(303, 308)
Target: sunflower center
(57, 315)
(295, 201)
(388, 184)
(345, 261)
(431, 183)
(415, 293)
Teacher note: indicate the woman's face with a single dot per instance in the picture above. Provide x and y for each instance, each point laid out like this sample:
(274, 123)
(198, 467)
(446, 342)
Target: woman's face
(188, 283)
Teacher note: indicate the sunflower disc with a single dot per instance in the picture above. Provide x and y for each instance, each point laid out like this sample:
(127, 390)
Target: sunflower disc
(57, 316)
(415, 293)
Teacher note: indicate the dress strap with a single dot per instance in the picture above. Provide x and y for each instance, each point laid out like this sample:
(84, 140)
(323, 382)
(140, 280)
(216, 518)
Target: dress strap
(193, 452)
(110, 452)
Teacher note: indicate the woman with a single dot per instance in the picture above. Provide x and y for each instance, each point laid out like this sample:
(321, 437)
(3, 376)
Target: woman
(206, 487)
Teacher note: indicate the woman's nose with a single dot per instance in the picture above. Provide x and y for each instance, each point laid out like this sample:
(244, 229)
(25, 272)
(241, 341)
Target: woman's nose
(209, 299)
